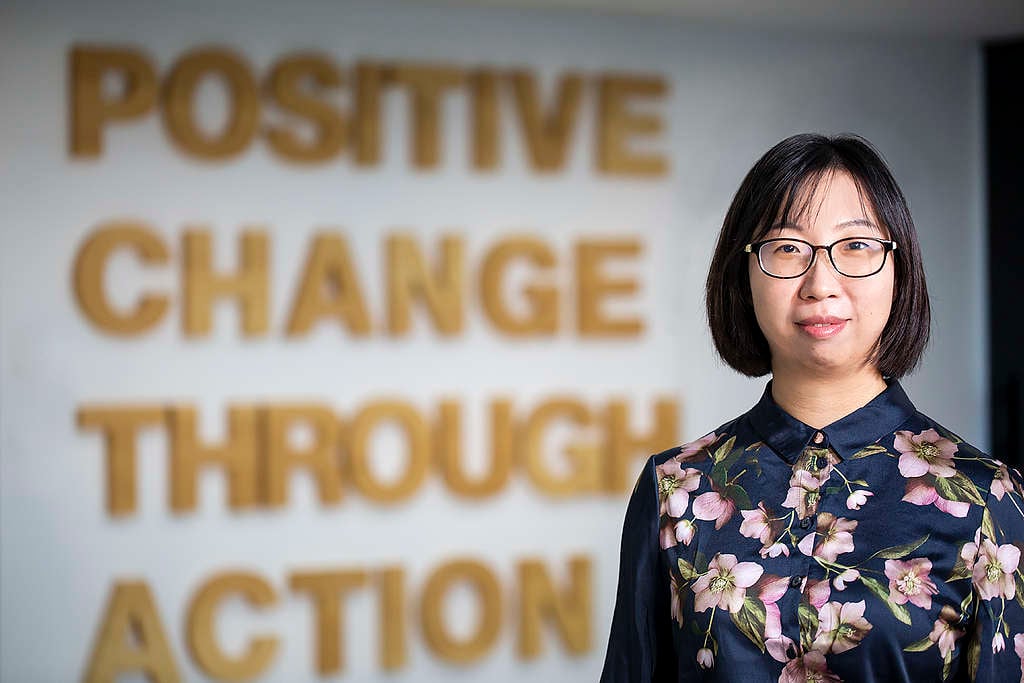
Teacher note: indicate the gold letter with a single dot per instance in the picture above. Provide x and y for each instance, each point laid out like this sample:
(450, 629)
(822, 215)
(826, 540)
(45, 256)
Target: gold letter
(543, 317)
(237, 457)
(436, 632)
(447, 440)
(284, 86)
(426, 84)
(622, 446)
(616, 124)
(570, 610)
(585, 467)
(327, 590)
(409, 278)
(369, 78)
(320, 458)
(592, 287)
(329, 288)
(393, 653)
(243, 104)
(483, 91)
(90, 264)
(547, 134)
(131, 617)
(201, 621)
(418, 439)
(90, 109)
(119, 425)
(202, 285)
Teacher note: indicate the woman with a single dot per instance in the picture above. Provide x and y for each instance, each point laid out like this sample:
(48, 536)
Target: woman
(832, 532)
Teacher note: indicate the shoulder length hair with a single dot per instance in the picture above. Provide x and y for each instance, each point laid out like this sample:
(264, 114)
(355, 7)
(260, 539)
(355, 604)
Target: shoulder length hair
(789, 170)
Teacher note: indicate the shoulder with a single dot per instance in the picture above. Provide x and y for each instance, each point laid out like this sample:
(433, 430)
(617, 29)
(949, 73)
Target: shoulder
(983, 470)
(699, 451)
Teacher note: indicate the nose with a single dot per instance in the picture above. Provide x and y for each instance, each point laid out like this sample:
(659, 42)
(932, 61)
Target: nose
(821, 281)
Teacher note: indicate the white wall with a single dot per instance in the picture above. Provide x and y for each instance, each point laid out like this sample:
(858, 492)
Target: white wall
(733, 95)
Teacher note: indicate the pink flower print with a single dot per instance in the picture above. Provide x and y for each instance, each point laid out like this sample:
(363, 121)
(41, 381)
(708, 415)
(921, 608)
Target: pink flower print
(685, 530)
(857, 498)
(944, 634)
(847, 576)
(921, 492)
(834, 537)
(677, 598)
(673, 532)
(705, 658)
(725, 583)
(803, 493)
(688, 450)
(969, 552)
(769, 590)
(1001, 482)
(778, 645)
(775, 549)
(667, 534)
(998, 644)
(674, 486)
(925, 453)
(810, 667)
(841, 627)
(757, 524)
(818, 592)
(994, 568)
(713, 506)
(909, 581)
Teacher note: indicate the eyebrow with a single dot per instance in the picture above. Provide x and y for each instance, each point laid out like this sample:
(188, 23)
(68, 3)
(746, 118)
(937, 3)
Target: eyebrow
(863, 222)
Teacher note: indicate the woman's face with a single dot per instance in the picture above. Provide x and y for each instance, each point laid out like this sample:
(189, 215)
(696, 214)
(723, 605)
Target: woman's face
(858, 308)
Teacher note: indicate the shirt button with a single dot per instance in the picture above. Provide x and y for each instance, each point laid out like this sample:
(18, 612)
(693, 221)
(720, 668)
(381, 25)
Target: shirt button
(805, 523)
(795, 581)
(819, 437)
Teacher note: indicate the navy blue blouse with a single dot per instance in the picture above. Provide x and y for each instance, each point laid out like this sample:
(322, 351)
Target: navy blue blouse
(880, 548)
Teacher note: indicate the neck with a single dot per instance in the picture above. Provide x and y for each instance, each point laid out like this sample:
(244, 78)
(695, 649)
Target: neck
(821, 400)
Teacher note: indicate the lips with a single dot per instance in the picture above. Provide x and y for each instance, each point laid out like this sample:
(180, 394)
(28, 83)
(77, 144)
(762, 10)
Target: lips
(822, 326)
(821, 320)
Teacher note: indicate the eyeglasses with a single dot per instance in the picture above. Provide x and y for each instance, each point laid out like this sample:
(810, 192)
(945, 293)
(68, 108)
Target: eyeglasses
(787, 257)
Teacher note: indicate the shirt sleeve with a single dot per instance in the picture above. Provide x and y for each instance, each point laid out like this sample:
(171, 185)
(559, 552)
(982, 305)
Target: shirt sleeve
(640, 646)
(998, 583)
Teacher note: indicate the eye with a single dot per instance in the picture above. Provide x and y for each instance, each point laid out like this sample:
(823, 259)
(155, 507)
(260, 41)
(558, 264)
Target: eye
(787, 249)
(857, 245)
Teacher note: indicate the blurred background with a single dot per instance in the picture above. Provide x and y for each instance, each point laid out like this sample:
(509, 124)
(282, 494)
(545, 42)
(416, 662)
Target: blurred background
(333, 335)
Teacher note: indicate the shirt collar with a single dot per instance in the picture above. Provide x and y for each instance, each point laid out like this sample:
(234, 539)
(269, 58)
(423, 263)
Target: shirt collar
(788, 436)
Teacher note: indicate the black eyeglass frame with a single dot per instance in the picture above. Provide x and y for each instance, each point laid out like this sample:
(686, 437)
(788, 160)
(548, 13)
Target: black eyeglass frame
(755, 248)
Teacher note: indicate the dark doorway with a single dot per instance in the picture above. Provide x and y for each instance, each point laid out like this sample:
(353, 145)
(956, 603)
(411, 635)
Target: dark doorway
(1004, 143)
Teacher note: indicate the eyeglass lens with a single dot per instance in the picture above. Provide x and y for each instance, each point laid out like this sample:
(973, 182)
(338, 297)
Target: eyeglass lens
(856, 256)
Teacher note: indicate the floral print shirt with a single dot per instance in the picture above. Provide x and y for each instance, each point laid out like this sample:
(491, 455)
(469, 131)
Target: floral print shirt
(880, 548)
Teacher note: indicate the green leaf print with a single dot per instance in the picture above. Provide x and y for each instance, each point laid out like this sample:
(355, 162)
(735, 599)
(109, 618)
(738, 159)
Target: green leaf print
(738, 495)
(898, 611)
(808, 618)
(898, 552)
(960, 570)
(750, 621)
(870, 450)
(958, 488)
(986, 525)
(920, 645)
(720, 470)
(723, 450)
(687, 571)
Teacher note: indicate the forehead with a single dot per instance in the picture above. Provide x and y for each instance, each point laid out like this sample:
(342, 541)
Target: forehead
(832, 199)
